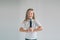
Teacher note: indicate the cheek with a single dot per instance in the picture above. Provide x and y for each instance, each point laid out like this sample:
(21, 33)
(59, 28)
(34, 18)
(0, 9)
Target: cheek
(31, 14)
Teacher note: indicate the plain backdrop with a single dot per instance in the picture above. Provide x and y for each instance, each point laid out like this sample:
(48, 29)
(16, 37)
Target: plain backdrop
(12, 13)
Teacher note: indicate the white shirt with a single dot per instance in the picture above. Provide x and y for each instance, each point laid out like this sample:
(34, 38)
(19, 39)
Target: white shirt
(35, 24)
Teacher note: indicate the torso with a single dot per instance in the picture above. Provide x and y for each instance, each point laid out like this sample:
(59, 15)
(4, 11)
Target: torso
(30, 35)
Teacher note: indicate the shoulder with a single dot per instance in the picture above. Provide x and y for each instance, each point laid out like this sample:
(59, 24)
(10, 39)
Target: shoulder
(23, 21)
(36, 20)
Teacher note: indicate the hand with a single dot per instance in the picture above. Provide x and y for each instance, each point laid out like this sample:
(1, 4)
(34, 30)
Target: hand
(26, 30)
(35, 30)
(30, 29)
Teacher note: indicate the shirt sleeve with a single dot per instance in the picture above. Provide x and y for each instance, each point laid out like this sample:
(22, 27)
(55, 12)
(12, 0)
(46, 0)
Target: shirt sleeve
(37, 23)
(23, 25)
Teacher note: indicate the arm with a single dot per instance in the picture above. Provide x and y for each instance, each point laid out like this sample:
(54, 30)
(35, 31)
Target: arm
(22, 29)
(39, 28)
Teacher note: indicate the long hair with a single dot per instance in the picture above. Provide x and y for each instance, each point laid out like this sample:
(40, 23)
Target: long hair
(26, 17)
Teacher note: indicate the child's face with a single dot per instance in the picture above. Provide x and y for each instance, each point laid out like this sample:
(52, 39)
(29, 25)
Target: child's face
(30, 14)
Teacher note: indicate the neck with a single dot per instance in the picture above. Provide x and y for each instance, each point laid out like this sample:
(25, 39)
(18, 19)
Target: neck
(30, 18)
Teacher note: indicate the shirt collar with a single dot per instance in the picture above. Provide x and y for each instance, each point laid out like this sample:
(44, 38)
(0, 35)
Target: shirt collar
(31, 19)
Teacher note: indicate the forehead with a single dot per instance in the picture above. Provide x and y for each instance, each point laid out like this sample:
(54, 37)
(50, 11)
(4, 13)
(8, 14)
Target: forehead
(30, 11)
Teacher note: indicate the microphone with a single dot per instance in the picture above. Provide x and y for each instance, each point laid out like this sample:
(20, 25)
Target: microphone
(30, 23)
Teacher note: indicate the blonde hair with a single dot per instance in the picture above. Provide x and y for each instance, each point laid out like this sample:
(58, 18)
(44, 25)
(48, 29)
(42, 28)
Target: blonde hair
(26, 17)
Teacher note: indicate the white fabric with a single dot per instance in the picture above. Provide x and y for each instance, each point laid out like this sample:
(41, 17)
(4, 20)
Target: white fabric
(25, 25)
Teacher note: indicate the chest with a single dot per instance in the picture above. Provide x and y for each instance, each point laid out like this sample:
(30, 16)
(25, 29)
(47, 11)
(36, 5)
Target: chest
(27, 24)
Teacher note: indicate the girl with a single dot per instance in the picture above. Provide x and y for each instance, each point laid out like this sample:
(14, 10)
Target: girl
(31, 32)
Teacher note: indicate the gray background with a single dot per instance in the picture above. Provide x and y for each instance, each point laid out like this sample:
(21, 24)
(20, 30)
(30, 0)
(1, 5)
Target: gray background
(12, 12)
